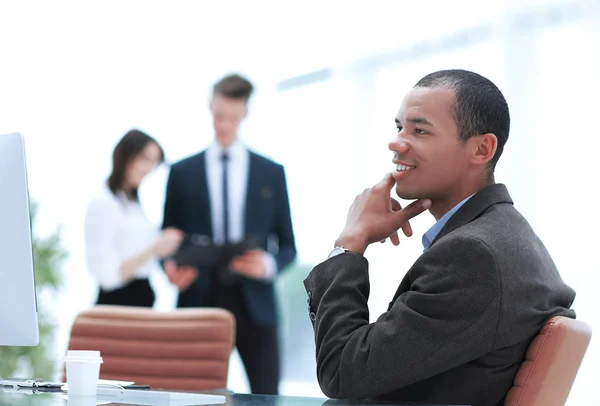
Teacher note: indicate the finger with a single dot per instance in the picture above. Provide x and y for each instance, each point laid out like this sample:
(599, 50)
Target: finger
(240, 269)
(414, 209)
(249, 259)
(237, 264)
(187, 279)
(172, 277)
(180, 278)
(406, 228)
(239, 261)
(188, 268)
(395, 239)
(175, 278)
(255, 258)
(169, 266)
(387, 182)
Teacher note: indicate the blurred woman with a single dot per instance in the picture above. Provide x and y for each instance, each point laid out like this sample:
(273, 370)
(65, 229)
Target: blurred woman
(122, 245)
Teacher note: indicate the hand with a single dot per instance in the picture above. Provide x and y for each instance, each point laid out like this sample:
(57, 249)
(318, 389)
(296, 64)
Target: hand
(168, 242)
(374, 216)
(181, 276)
(406, 227)
(250, 264)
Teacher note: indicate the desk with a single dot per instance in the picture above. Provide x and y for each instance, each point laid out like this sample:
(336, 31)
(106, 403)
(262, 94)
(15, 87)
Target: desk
(27, 398)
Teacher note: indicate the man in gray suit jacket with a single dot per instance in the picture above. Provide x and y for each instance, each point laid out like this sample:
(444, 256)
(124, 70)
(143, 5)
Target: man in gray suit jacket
(458, 327)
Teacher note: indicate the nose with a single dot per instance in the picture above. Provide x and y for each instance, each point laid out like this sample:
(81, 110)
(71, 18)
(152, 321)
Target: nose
(398, 144)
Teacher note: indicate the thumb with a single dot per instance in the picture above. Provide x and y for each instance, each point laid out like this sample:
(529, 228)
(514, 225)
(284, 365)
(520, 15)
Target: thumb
(170, 266)
(412, 210)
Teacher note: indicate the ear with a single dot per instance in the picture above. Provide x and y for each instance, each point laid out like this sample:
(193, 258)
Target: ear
(483, 148)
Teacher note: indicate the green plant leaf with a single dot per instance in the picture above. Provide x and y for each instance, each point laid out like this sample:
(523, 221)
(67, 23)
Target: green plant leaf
(48, 257)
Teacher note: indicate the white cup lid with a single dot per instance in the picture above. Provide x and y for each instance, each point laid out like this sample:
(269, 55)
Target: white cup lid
(83, 361)
(83, 354)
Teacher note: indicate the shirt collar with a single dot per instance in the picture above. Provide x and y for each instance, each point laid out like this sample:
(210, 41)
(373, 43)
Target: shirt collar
(234, 151)
(430, 235)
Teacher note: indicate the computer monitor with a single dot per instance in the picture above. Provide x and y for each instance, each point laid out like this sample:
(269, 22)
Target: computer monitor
(18, 306)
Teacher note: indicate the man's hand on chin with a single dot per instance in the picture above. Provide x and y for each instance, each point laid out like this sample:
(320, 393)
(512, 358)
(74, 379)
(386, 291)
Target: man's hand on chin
(375, 216)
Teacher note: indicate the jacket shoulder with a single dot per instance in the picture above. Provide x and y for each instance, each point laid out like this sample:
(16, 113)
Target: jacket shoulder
(264, 162)
(188, 162)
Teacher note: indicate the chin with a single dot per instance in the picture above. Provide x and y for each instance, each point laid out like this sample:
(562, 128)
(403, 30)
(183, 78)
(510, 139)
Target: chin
(407, 194)
(225, 139)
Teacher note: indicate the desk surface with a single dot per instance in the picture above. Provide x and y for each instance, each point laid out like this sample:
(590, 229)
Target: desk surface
(27, 398)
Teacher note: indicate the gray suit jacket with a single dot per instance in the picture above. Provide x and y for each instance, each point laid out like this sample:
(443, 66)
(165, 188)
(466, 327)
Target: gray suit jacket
(460, 322)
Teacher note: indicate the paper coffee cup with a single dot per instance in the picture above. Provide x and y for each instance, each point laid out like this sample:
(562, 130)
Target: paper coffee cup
(83, 371)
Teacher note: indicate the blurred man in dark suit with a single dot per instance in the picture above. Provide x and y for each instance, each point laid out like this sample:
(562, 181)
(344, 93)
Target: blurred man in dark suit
(229, 194)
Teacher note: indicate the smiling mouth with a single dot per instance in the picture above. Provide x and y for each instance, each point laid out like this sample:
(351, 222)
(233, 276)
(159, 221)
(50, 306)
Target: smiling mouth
(404, 168)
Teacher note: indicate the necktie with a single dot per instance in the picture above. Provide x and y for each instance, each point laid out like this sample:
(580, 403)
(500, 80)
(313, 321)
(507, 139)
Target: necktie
(225, 190)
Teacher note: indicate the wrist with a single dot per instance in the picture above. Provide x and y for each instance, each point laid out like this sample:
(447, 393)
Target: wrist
(154, 251)
(352, 243)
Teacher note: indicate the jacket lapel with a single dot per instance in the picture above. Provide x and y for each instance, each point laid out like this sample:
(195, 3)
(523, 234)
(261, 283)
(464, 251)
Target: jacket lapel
(251, 200)
(198, 177)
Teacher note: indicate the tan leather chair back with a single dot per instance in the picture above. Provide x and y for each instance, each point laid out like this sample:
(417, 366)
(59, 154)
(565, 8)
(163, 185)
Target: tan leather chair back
(551, 364)
(185, 349)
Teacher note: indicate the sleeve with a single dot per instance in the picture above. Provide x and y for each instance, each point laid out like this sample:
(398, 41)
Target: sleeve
(100, 230)
(283, 228)
(170, 218)
(445, 316)
(270, 266)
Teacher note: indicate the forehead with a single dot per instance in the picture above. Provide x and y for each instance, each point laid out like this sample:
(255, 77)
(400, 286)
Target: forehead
(151, 150)
(433, 104)
(228, 105)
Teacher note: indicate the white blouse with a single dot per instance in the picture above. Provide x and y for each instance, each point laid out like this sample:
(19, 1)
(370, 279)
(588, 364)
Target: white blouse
(115, 230)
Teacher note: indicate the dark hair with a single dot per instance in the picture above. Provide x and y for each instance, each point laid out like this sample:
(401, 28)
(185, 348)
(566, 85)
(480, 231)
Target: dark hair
(234, 86)
(479, 106)
(129, 147)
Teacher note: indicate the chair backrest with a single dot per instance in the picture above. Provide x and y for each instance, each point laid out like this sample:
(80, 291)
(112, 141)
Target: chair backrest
(551, 364)
(185, 349)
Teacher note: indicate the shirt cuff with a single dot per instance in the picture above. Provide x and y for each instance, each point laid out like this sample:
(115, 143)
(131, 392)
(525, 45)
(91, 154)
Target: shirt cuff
(270, 266)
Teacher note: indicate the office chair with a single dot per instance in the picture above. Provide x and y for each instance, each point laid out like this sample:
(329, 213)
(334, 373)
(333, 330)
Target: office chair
(551, 364)
(184, 349)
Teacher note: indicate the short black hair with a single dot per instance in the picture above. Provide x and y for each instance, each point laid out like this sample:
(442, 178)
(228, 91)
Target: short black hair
(130, 146)
(479, 106)
(234, 86)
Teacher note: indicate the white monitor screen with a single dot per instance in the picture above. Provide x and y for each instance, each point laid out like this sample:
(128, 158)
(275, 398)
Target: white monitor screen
(18, 308)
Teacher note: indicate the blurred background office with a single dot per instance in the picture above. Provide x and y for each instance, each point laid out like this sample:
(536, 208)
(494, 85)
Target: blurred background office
(330, 76)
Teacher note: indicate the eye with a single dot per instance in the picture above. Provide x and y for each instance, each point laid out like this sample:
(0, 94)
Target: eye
(399, 127)
(420, 131)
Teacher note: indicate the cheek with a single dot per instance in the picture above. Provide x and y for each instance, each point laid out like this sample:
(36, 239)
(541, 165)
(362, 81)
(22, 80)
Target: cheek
(135, 169)
(445, 161)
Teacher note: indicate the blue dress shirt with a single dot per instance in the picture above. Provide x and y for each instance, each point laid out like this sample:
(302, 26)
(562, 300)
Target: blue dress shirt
(430, 235)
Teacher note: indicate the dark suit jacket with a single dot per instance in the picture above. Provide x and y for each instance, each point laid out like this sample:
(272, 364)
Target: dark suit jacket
(267, 219)
(460, 322)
